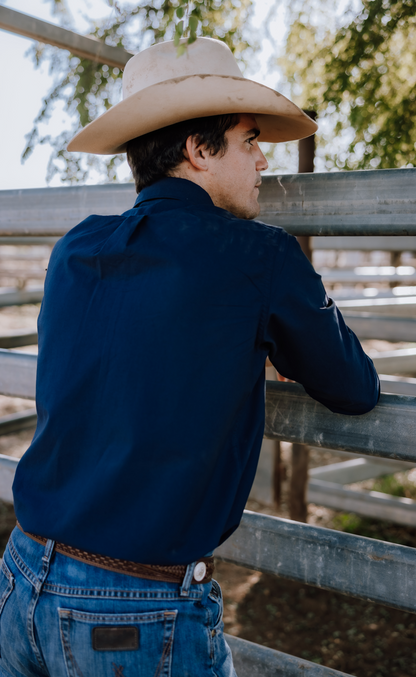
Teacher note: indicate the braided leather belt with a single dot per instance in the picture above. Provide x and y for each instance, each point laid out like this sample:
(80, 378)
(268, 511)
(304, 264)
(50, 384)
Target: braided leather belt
(203, 571)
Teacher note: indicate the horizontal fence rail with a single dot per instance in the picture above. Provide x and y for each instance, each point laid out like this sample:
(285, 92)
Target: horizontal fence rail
(398, 385)
(369, 274)
(358, 469)
(326, 487)
(379, 202)
(401, 361)
(17, 374)
(23, 338)
(253, 660)
(15, 423)
(389, 430)
(397, 306)
(8, 466)
(340, 203)
(369, 326)
(80, 45)
(27, 419)
(54, 211)
(388, 243)
(20, 297)
(333, 560)
(368, 503)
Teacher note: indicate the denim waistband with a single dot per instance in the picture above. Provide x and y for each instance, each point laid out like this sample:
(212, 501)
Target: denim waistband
(69, 577)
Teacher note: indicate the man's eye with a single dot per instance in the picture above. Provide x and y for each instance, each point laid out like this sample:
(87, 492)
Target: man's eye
(252, 138)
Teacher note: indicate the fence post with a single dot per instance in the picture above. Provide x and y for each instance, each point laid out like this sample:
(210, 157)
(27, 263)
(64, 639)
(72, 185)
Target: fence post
(298, 508)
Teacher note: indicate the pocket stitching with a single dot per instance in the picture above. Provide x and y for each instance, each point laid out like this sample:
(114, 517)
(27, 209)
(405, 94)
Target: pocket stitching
(168, 616)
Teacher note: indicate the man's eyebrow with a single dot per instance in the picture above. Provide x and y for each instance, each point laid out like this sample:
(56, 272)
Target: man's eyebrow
(252, 132)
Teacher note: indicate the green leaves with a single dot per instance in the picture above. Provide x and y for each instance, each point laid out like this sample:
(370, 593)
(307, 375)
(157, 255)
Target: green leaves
(187, 27)
(86, 89)
(193, 23)
(361, 78)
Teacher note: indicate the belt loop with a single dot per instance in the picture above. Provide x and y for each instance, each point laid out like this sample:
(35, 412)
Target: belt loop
(46, 559)
(48, 552)
(187, 580)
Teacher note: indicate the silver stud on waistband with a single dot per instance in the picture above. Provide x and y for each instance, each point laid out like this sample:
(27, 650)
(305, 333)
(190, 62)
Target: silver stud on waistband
(200, 571)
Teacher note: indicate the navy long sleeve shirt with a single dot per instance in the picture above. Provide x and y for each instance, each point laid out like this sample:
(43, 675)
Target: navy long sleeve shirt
(153, 335)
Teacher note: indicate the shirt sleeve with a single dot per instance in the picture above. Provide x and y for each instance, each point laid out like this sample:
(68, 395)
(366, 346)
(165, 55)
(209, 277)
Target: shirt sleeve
(309, 342)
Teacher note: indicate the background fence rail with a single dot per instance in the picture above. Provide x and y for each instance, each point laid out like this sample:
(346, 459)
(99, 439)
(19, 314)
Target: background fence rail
(334, 560)
(80, 45)
(376, 202)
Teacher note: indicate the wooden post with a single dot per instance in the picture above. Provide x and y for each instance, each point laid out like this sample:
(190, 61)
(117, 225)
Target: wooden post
(298, 508)
(277, 474)
(306, 166)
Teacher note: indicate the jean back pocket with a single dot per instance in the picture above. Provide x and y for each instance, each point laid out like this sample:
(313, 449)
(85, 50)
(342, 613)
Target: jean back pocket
(117, 645)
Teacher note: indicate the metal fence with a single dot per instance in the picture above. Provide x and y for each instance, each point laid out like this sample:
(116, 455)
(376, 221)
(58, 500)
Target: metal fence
(375, 203)
(354, 565)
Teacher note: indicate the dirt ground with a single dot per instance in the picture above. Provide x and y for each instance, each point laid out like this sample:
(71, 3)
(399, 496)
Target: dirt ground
(354, 636)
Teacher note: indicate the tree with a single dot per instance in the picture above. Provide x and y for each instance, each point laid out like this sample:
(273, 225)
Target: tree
(87, 89)
(360, 75)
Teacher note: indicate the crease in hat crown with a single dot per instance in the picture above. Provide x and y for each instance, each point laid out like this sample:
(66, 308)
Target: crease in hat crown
(160, 63)
(161, 89)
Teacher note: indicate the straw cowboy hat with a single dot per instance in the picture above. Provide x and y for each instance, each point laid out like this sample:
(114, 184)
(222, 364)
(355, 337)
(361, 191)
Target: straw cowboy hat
(160, 89)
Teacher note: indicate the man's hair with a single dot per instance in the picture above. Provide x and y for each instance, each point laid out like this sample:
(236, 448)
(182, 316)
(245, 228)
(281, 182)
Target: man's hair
(155, 155)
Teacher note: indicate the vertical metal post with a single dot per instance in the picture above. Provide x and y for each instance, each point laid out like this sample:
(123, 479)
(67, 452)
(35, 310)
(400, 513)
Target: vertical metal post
(298, 508)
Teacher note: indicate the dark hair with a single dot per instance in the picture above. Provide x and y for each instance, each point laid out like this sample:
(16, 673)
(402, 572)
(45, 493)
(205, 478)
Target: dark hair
(154, 155)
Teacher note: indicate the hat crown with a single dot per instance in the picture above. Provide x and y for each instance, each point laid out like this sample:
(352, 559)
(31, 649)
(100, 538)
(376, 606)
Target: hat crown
(160, 63)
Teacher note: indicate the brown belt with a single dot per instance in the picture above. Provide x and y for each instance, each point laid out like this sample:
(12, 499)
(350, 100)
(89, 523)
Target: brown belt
(203, 572)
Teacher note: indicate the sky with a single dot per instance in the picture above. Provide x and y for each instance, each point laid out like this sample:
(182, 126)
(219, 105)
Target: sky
(23, 88)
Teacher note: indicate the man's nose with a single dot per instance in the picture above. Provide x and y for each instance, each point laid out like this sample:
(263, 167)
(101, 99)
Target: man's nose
(262, 163)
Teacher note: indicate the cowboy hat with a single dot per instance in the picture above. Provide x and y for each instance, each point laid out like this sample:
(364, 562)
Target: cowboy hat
(160, 89)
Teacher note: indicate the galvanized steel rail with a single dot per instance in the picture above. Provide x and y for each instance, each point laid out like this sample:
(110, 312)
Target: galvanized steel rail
(368, 503)
(20, 297)
(253, 660)
(389, 430)
(371, 326)
(17, 374)
(80, 45)
(341, 203)
(333, 560)
(14, 423)
(398, 306)
(23, 338)
(53, 211)
(388, 243)
(379, 202)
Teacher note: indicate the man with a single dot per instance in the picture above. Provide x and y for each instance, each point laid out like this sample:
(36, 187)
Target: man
(153, 336)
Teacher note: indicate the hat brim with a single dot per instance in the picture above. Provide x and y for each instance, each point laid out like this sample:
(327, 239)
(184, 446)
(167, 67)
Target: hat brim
(188, 97)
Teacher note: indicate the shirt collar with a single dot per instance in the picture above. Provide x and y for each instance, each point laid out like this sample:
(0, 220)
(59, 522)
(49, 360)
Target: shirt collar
(173, 188)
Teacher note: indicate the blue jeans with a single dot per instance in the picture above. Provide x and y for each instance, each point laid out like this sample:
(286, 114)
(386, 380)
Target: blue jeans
(64, 618)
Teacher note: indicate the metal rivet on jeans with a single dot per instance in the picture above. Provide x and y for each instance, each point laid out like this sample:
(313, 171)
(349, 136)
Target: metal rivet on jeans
(200, 571)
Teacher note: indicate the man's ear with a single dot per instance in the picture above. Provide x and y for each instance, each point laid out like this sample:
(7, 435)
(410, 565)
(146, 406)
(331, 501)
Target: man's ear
(196, 154)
